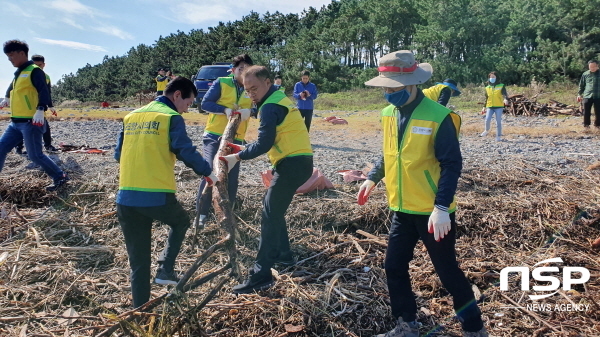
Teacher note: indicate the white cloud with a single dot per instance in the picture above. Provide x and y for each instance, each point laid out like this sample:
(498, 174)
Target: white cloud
(74, 7)
(114, 31)
(12, 8)
(198, 12)
(72, 23)
(72, 45)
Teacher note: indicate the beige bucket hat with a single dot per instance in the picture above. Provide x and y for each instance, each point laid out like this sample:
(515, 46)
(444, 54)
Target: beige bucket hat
(399, 69)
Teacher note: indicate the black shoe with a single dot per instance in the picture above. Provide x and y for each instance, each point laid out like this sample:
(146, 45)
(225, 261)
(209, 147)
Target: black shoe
(163, 277)
(51, 148)
(19, 151)
(58, 183)
(255, 282)
(287, 259)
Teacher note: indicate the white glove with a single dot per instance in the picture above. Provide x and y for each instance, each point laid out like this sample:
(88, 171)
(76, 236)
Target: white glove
(245, 113)
(364, 191)
(211, 179)
(5, 102)
(228, 112)
(230, 161)
(506, 102)
(38, 118)
(53, 111)
(439, 223)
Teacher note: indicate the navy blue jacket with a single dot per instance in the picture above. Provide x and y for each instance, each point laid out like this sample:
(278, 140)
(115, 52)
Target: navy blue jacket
(307, 104)
(181, 145)
(447, 152)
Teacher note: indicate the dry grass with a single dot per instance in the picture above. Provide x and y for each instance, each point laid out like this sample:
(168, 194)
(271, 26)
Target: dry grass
(71, 255)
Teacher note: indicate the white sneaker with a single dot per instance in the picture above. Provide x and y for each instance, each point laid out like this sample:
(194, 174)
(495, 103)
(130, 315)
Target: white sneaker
(483, 134)
(498, 139)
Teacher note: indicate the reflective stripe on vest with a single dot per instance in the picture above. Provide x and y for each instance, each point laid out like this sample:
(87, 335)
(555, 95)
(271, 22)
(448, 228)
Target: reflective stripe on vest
(291, 137)
(217, 123)
(494, 96)
(147, 162)
(434, 92)
(160, 86)
(412, 173)
(24, 97)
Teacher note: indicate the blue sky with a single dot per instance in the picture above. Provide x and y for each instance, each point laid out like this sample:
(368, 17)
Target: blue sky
(72, 33)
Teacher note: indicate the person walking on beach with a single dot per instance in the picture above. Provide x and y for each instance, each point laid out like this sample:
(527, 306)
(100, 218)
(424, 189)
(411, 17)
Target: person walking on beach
(421, 163)
(495, 100)
(589, 94)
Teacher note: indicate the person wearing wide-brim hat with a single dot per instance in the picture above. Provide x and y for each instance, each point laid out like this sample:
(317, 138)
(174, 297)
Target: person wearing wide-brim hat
(421, 163)
(441, 92)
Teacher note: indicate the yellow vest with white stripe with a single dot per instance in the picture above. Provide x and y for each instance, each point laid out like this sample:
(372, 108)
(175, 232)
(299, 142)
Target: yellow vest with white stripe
(412, 171)
(161, 85)
(24, 97)
(494, 96)
(434, 92)
(229, 98)
(291, 137)
(147, 162)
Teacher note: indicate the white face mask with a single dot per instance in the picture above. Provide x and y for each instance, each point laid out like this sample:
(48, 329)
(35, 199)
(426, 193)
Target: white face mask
(492, 80)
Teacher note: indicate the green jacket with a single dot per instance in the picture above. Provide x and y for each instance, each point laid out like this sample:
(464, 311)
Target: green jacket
(589, 85)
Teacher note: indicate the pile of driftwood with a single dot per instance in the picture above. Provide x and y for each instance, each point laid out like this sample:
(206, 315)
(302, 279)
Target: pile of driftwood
(519, 105)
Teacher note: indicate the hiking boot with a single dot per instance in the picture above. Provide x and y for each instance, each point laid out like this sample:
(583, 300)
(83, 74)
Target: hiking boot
(403, 329)
(255, 282)
(481, 333)
(165, 278)
(51, 148)
(483, 134)
(286, 259)
(58, 183)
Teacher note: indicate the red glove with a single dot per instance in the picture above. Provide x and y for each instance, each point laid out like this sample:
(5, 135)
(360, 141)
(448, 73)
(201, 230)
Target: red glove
(364, 191)
(578, 99)
(211, 179)
(236, 148)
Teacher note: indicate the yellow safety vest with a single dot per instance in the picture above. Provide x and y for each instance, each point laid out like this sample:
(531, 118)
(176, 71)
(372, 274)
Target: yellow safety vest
(291, 137)
(217, 123)
(147, 162)
(434, 92)
(494, 96)
(24, 97)
(161, 85)
(412, 171)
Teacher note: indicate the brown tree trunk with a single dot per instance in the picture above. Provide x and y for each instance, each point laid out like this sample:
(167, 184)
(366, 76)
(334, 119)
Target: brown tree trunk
(221, 204)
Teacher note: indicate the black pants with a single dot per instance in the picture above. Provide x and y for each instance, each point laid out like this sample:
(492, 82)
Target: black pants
(289, 174)
(406, 230)
(587, 111)
(307, 115)
(47, 137)
(136, 223)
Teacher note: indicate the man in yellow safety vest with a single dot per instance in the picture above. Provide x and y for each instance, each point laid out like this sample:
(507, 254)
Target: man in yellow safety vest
(421, 164)
(284, 138)
(153, 137)
(28, 99)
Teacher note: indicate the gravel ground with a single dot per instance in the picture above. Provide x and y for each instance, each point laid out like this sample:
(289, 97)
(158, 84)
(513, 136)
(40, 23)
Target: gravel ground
(567, 153)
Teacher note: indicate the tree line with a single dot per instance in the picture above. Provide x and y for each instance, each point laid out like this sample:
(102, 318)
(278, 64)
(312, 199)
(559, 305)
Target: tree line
(549, 40)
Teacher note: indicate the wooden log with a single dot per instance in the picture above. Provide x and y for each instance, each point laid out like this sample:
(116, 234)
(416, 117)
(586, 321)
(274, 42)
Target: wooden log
(220, 197)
